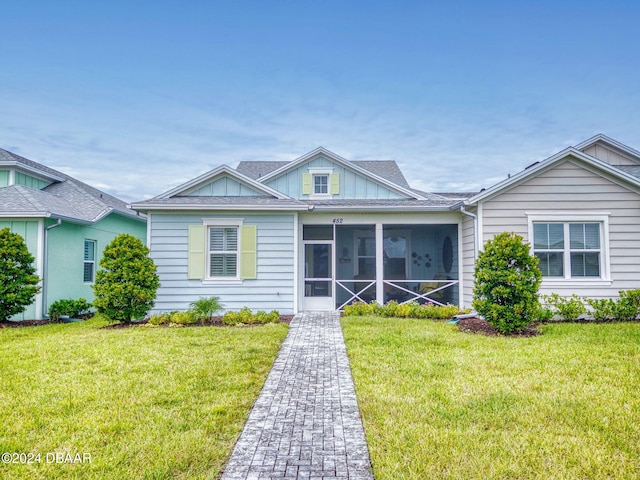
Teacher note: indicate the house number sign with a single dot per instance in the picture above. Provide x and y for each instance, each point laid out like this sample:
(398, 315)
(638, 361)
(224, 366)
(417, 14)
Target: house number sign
(337, 220)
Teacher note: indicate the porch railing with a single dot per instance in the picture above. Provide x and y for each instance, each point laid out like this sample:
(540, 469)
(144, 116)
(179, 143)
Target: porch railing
(409, 290)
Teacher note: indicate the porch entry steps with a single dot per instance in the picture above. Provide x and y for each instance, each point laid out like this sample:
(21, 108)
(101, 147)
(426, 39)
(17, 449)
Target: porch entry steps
(306, 423)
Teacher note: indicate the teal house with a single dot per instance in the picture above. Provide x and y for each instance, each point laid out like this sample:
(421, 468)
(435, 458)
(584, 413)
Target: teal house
(65, 223)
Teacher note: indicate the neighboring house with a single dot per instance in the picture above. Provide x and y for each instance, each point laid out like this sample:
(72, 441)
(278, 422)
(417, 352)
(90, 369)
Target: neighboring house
(320, 232)
(65, 223)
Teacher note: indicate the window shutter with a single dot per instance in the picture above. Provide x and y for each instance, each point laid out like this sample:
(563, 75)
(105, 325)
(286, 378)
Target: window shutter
(248, 251)
(306, 183)
(196, 260)
(334, 184)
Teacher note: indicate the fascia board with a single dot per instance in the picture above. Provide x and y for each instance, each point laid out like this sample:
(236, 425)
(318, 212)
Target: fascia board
(347, 164)
(223, 169)
(549, 162)
(31, 170)
(403, 209)
(169, 207)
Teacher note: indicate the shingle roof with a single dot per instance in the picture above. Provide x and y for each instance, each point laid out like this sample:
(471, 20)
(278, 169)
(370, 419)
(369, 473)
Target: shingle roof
(66, 196)
(387, 169)
(630, 169)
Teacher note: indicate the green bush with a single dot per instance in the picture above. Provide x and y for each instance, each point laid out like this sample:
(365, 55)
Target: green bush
(161, 318)
(72, 308)
(126, 287)
(629, 304)
(360, 309)
(603, 309)
(18, 282)
(507, 279)
(569, 308)
(205, 308)
(183, 318)
(404, 310)
(246, 317)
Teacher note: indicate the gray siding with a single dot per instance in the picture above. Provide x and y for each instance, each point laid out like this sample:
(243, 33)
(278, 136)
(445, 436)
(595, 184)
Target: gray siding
(468, 260)
(273, 287)
(569, 187)
(608, 155)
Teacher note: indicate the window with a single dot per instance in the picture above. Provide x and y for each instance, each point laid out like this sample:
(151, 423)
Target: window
(568, 249)
(89, 261)
(321, 184)
(223, 251)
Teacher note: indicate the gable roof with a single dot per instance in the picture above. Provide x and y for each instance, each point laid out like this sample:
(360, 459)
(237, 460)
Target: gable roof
(221, 171)
(66, 197)
(383, 168)
(355, 166)
(536, 168)
(611, 143)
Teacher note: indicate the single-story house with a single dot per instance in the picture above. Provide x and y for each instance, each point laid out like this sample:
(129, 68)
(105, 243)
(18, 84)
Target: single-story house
(65, 223)
(321, 231)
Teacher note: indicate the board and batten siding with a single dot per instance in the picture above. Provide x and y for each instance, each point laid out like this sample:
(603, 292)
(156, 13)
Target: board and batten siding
(350, 184)
(272, 289)
(573, 188)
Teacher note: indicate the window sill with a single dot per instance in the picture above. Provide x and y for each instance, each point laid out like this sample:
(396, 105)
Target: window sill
(222, 281)
(565, 282)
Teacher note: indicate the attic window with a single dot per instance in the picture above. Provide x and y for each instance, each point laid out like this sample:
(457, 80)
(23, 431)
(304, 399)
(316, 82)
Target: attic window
(321, 184)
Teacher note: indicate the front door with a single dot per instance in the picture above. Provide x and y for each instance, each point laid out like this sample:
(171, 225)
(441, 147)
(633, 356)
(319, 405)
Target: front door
(318, 275)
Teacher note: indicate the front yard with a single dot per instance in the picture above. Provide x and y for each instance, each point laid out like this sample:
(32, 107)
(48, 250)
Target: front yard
(437, 403)
(127, 403)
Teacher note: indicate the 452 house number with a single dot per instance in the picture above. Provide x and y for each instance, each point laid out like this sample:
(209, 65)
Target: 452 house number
(337, 220)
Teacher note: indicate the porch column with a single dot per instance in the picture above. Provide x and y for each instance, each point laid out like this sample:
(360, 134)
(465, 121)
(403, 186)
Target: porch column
(379, 264)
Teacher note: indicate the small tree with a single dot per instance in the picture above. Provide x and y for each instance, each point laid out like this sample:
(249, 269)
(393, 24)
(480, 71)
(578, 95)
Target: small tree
(127, 286)
(507, 279)
(18, 281)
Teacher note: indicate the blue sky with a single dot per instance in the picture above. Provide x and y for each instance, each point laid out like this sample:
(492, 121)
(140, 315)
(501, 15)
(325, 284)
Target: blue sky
(138, 97)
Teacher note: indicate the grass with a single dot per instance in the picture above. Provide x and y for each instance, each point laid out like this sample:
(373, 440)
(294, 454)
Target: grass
(148, 403)
(437, 403)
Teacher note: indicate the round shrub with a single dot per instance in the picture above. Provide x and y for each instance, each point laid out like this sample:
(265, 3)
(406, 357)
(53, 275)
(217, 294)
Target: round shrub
(126, 287)
(507, 279)
(18, 282)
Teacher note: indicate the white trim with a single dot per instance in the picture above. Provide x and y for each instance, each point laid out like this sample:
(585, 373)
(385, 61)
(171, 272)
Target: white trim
(222, 222)
(566, 217)
(565, 154)
(610, 142)
(296, 261)
(221, 171)
(321, 170)
(34, 171)
(12, 177)
(480, 235)
(460, 265)
(345, 163)
(380, 263)
(39, 269)
(149, 226)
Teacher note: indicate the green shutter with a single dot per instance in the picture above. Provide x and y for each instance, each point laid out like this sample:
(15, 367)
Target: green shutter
(197, 250)
(334, 184)
(307, 178)
(248, 251)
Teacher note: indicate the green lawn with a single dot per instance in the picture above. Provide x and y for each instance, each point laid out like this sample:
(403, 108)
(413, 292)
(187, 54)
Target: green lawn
(437, 403)
(146, 403)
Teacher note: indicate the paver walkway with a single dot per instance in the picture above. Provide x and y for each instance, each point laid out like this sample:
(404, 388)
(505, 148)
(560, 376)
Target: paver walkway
(305, 423)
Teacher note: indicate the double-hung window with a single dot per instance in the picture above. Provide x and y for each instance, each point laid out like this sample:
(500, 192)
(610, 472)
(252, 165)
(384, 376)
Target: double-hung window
(570, 250)
(321, 184)
(223, 251)
(89, 270)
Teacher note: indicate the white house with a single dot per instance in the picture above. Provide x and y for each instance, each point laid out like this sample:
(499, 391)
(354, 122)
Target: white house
(320, 232)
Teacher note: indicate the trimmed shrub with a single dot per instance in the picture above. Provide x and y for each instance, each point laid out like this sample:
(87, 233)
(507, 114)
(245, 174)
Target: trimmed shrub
(569, 308)
(246, 317)
(18, 281)
(161, 319)
(507, 279)
(603, 309)
(126, 287)
(72, 308)
(183, 318)
(629, 304)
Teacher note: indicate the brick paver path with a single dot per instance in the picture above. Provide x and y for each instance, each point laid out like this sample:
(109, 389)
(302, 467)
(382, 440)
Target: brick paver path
(305, 423)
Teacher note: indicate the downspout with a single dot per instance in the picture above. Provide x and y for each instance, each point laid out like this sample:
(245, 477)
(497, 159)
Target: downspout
(476, 247)
(45, 265)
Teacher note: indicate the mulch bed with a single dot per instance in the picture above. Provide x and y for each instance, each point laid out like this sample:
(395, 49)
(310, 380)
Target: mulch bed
(478, 325)
(23, 323)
